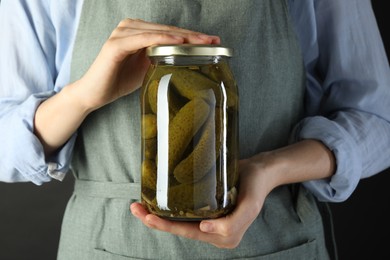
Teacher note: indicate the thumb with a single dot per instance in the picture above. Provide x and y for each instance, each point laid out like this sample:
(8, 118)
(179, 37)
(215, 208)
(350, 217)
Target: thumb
(235, 223)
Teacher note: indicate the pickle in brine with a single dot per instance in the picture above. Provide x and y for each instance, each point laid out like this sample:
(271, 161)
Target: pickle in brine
(207, 150)
(183, 127)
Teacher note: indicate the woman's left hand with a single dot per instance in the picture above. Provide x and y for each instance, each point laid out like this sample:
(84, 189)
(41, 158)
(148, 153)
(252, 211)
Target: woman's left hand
(225, 232)
(259, 175)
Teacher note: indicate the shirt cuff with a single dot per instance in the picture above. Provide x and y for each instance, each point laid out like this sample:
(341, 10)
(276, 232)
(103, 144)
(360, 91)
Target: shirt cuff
(349, 168)
(24, 159)
(58, 165)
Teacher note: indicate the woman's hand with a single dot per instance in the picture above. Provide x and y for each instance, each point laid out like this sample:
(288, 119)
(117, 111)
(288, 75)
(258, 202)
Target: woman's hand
(259, 175)
(225, 232)
(118, 70)
(121, 65)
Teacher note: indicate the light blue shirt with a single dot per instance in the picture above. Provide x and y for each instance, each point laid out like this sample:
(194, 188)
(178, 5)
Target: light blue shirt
(347, 95)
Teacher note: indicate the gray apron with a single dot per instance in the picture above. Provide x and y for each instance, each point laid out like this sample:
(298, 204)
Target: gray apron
(106, 164)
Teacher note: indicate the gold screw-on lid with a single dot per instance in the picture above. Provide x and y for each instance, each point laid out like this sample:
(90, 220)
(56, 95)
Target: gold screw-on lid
(189, 50)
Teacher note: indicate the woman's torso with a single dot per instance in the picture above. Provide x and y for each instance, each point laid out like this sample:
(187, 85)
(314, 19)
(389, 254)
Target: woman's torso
(268, 69)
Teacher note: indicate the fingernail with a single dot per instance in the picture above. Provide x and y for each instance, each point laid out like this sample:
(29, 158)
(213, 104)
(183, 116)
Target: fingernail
(133, 209)
(206, 227)
(216, 40)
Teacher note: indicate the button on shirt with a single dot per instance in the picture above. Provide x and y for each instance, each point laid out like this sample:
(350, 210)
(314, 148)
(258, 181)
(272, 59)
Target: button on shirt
(347, 100)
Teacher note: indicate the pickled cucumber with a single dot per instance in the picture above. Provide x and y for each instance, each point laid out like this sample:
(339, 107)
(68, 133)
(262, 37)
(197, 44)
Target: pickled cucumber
(152, 95)
(191, 84)
(202, 104)
(194, 196)
(149, 126)
(149, 174)
(150, 148)
(175, 104)
(201, 160)
(222, 73)
(183, 127)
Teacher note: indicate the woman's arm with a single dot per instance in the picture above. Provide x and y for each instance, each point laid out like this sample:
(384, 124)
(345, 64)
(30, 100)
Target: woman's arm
(259, 175)
(32, 69)
(346, 136)
(39, 110)
(117, 71)
(348, 91)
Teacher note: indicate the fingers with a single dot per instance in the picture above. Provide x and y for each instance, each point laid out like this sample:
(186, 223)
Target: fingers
(232, 227)
(132, 35)
(153, 221)
(120, 65)
(223, 233)
(133, 43)
(140, 24)
(187, 36)
(130, 27)
(185, 229)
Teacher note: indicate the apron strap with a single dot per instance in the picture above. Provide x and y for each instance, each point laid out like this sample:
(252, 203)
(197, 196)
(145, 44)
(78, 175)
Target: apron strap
(108, 190)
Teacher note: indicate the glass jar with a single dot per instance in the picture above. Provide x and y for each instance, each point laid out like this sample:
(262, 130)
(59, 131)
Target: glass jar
(189, 106)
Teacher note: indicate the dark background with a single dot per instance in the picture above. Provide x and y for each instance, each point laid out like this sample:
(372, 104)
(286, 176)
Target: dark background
(30, 216)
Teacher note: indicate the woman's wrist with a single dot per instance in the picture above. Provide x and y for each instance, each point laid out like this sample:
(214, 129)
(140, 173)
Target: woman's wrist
(299, 162)
(58, 117)
(80, 98)
(268, 167)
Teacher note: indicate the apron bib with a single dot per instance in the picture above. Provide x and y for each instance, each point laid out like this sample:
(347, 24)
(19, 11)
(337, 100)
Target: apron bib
(106, 163)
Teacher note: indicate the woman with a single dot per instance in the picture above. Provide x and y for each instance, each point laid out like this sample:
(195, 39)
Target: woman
(316, 130)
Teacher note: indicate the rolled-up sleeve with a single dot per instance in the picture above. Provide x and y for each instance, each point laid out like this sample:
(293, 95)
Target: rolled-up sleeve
(22, 155)
(348, 91)
(29, 74)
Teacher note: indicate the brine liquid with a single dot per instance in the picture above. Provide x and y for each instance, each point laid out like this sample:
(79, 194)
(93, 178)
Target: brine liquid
(189, 141)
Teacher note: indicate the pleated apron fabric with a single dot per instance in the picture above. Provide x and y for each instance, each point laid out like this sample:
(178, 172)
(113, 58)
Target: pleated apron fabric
(268, 68)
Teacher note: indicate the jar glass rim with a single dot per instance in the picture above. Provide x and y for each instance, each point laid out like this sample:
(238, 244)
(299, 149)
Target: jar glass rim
(189, 50)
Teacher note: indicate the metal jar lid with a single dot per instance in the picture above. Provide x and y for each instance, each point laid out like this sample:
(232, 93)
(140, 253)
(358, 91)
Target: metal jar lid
(188, 50)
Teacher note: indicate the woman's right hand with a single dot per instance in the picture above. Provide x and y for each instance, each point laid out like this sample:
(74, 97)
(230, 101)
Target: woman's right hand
(121, 65)
(117, 71)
